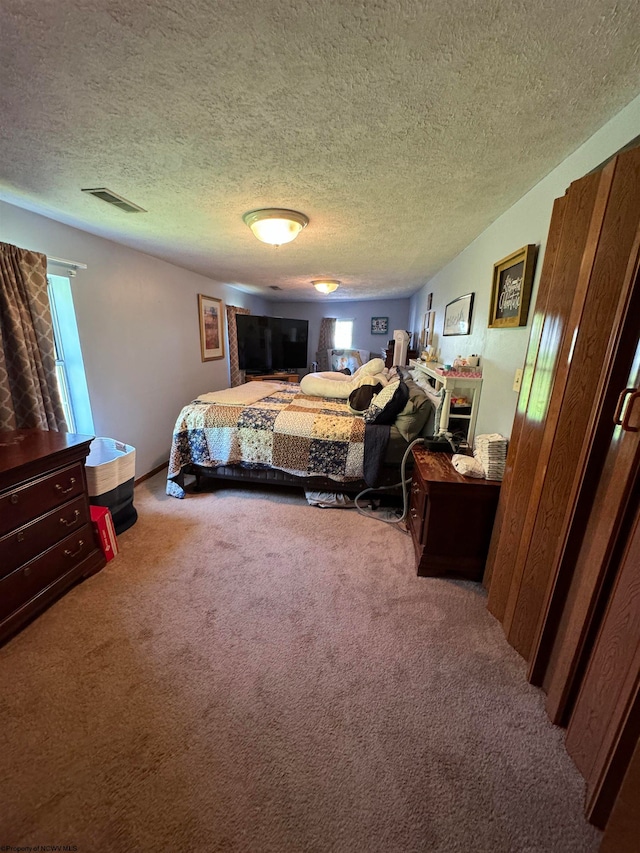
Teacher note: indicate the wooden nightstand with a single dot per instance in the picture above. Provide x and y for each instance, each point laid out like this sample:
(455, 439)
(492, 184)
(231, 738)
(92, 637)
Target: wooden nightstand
(450, 517)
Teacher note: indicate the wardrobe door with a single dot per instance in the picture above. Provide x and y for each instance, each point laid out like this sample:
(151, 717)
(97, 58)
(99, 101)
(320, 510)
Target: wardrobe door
(522, 437)
(605, 723)
(560, 443)
(623, 828)
(567, 240)
(567, 630)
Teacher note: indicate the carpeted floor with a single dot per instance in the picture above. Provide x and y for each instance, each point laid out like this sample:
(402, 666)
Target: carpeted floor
(253, 674)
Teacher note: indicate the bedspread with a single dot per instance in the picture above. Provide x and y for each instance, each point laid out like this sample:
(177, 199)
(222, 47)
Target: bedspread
(297, 433)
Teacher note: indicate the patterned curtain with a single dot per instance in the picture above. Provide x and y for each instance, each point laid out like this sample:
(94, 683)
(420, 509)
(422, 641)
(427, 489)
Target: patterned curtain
(327, 341)
(29, 395)
(237, 375)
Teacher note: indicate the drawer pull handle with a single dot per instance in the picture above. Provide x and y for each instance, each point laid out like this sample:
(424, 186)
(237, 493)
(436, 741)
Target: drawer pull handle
(69, 553)
(20, 536)
(13, 499)
(66, 523)
(64, 491)
(26, 571)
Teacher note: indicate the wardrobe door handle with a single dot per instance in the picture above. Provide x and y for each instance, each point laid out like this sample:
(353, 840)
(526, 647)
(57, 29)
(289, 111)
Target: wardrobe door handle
(627, 415)
(620, 404)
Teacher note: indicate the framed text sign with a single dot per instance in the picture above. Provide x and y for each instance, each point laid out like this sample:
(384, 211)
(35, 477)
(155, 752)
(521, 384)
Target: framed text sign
(511, 291)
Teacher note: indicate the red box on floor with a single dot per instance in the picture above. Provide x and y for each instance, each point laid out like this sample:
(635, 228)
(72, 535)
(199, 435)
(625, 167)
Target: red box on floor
(103, 525)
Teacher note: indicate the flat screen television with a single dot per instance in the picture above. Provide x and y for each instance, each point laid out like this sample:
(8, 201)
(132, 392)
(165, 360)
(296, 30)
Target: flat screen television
(271, 344)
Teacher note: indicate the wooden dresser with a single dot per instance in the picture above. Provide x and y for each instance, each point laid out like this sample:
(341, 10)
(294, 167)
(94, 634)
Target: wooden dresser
(47, 541)
(450, 517)
(273, 377)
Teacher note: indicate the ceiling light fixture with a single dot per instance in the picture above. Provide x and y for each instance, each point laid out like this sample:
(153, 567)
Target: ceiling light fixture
(326, 285)
(275, 225)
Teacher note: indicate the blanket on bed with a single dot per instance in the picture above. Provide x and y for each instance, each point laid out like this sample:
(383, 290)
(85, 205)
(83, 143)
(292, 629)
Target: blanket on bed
(302, 435)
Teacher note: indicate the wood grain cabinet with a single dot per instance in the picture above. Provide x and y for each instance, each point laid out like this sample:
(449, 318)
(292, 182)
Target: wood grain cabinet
(273, 377)
(450, 517)
(47, 541)
(563, 571)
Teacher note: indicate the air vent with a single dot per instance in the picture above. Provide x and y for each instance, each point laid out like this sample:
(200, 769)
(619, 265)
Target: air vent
(115, 199)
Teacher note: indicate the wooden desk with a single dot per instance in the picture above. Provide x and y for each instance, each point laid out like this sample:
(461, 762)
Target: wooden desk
(450, 517)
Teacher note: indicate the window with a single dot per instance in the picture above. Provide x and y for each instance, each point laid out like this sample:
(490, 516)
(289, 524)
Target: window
(344, 334)
(72, 381)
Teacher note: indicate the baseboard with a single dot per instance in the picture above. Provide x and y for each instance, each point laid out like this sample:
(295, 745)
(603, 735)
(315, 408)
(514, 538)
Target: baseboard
(151, 473)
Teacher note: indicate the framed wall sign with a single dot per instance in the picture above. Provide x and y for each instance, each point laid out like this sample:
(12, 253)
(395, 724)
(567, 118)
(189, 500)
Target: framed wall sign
(210, 313)
(379, 325)
(457, 316)
(511, 290)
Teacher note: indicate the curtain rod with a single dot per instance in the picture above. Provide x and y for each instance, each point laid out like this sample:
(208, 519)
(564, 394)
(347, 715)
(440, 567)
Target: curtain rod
(63, 262)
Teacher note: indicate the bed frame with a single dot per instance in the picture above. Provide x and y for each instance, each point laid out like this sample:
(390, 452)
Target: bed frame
(275, 477)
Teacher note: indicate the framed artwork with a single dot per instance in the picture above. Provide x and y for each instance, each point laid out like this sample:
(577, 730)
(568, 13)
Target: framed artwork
(379, 325)
(210, 312)
(428, 325)
(511, 290)
(457, 316)
(430, 302)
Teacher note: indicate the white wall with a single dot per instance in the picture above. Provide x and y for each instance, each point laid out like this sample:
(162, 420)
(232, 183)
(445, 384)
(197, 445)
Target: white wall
(503, 350)
(360, 311)
(138, 325)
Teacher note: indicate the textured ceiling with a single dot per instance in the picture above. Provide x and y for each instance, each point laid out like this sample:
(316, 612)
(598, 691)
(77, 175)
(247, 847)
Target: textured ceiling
(401, 129)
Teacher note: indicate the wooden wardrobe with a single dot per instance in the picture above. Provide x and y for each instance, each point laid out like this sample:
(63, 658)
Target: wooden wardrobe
(563, 571)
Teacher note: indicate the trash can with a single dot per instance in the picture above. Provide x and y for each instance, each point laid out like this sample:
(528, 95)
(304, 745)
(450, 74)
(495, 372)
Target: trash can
(111, 467)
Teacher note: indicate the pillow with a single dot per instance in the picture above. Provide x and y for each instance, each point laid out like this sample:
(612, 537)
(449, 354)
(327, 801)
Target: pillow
(334, 385)
(417, 414)
(360, 399)
(388, 404)
(376, 365)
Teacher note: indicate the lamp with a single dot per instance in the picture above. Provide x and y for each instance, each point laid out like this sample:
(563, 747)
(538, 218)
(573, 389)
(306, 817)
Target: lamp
(326, 285)
(275, 225)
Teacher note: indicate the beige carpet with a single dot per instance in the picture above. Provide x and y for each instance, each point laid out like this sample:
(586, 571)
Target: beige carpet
(254, 674)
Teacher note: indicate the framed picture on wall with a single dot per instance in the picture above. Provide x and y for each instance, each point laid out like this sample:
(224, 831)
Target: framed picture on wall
(379, 325)
(210, 314)
(511, 290)
(457, 316)
(428, 324)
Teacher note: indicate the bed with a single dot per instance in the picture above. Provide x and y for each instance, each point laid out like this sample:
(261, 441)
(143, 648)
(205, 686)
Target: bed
(272, 432)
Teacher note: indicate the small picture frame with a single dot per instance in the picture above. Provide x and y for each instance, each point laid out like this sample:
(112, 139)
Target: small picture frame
(511, 290)
(210, 314)
(457, 316)
(379, 325)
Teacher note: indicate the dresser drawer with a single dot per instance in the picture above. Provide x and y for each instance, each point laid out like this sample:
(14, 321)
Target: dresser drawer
(24, 503)
(25, 583)
(25, 543)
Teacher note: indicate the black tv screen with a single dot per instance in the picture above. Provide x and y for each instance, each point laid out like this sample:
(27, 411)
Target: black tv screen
(269, 344)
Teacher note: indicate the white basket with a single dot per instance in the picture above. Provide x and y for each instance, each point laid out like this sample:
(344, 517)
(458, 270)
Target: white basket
(109, 464)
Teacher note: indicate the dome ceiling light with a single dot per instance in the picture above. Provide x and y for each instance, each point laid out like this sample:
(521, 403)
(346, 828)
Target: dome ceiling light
(326, 285)
(275, 225)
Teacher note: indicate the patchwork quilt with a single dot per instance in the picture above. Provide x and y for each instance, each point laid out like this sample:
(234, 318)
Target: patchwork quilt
(297, 433)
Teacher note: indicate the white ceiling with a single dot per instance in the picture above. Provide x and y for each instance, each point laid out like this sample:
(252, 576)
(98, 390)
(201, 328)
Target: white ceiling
(402, 129)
